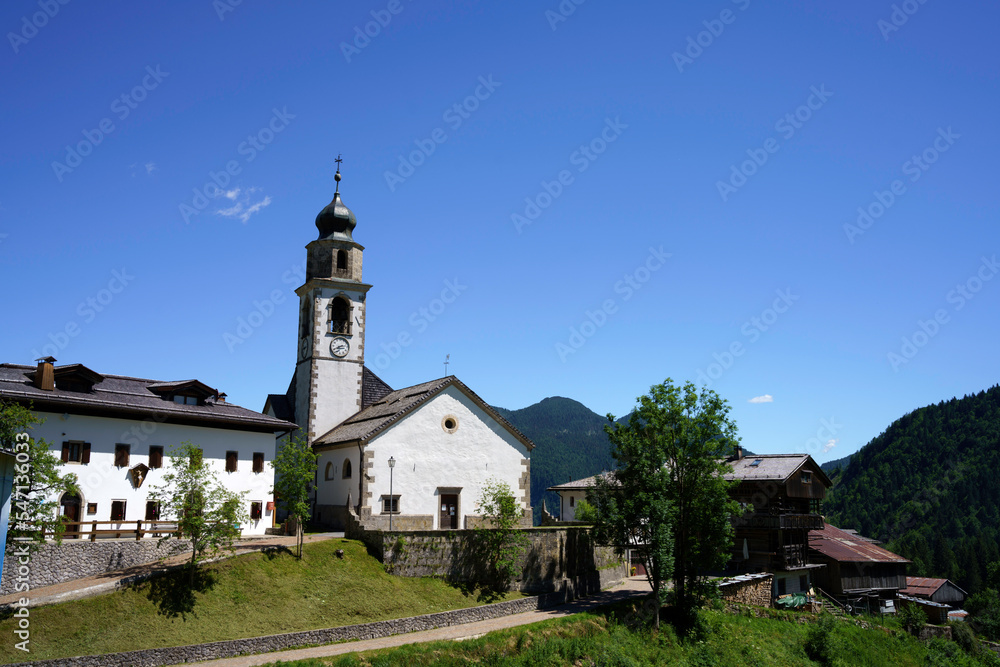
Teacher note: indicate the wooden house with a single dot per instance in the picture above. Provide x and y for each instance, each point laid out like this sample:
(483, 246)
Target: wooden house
(782, 495)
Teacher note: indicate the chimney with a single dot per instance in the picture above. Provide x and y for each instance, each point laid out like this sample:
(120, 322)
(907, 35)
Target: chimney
(45, 377)
(220, 398)
(739, 452)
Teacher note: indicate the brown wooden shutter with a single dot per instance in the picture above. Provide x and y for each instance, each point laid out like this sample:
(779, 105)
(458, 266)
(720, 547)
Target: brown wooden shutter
(258, 462)
(231, 461)
(85, 455)
(65, 452)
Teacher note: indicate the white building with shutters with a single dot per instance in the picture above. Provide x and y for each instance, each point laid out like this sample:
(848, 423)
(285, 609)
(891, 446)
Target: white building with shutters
(115, 433)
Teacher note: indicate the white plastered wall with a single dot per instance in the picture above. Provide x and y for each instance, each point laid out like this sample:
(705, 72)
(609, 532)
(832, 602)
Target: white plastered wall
(101, 482)
(429, 458)
(337, 489)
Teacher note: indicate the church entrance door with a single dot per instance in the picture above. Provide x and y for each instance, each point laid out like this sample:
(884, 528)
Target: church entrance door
(449, 512)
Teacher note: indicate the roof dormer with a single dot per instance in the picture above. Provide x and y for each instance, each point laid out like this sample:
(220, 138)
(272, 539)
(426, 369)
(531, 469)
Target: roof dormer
(185, 392)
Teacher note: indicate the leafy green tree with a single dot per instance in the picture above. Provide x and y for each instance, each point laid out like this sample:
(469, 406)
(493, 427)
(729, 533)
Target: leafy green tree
(295, 469)
(206, 512)
(499, 539)
(38, 483)
(585, 512)
(669, 492)
(912, 617)
(984, 607)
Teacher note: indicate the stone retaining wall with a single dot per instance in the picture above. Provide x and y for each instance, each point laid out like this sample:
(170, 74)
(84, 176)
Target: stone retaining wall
(554, 556)
(750, 590)
(54, 564)
(228, 649)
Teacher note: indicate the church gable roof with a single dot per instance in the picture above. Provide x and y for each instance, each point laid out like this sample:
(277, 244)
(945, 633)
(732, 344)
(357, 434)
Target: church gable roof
(395, 406)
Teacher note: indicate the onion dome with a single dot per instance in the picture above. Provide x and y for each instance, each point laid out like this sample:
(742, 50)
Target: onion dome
(336, 221)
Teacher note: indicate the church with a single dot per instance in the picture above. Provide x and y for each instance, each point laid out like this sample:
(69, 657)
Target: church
(415, 458)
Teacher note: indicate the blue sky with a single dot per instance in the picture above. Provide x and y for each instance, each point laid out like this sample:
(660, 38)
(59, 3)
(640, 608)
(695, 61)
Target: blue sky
(609, 195)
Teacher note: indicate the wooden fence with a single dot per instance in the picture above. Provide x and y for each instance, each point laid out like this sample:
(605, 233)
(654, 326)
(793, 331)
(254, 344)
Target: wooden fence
(88, 530)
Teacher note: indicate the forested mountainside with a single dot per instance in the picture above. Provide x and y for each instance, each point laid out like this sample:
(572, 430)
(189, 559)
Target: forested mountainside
(929, 486)
(570, 444)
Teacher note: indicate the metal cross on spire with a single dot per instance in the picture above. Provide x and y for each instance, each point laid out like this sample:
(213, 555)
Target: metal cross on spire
(446, 362)
(336, 176)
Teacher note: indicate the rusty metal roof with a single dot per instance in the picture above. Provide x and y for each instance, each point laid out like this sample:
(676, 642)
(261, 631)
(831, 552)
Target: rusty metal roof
(921, 586)
(845, 547)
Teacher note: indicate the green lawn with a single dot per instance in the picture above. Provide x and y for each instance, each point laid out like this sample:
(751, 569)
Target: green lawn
(247, 596)
(727, 641)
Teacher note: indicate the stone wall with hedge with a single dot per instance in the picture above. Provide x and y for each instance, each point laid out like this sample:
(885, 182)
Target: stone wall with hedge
(236, 647)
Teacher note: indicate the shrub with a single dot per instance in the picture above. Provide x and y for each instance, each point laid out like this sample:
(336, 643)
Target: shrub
(820, 643)
(912, 617)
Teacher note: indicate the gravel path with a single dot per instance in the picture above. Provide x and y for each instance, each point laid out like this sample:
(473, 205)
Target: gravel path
(633, 587)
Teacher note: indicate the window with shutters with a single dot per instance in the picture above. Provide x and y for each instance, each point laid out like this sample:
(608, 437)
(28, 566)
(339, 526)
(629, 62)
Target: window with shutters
(117, 510)
(122, 455)
(75, 451)
(152, 510)
(155, 456)
(258, 461)
(255, 510)
(231, 459)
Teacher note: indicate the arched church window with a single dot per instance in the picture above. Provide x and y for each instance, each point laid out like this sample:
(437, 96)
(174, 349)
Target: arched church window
(347, 469)
(341, 261)
(340, 316)
(329, 471)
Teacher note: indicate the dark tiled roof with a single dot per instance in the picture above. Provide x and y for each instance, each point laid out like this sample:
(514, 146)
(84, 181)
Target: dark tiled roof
(845, 547)
(585, 483)
(130, 398)
(396, 405)
(373, 389)
(772, 467)
(283, 405)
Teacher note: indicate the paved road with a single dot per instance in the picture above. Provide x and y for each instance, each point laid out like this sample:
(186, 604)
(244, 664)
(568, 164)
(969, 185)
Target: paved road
(634, 587)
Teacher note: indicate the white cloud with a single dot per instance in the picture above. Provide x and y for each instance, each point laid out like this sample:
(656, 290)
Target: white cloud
(150, 167)
(766, 398)
(243, 208)
(830, 444)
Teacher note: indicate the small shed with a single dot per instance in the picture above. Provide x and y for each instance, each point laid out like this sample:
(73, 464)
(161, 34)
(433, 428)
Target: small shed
(943, 591)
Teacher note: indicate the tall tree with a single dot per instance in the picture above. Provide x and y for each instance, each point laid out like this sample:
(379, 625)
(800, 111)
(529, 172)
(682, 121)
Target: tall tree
(632, 507)
(206, 512)
(38, 482)
(295, 471)
(671, 462)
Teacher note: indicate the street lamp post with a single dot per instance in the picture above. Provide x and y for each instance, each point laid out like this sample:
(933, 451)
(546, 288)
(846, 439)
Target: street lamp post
(392, 464)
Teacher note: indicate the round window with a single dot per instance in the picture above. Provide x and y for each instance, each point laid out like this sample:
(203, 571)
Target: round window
(450, 423)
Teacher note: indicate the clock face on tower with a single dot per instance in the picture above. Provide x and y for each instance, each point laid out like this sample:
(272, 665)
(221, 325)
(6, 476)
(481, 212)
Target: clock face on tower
(306, 347)
(340, 347)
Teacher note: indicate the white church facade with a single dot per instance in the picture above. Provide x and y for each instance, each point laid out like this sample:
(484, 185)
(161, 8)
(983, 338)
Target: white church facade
(115, 433)
(443, 441)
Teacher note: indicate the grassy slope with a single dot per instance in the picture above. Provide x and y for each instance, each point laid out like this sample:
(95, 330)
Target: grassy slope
(587, 639)
(251, 596)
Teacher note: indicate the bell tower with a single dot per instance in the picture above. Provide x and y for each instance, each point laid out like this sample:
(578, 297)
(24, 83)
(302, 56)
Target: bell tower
(331, 349)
